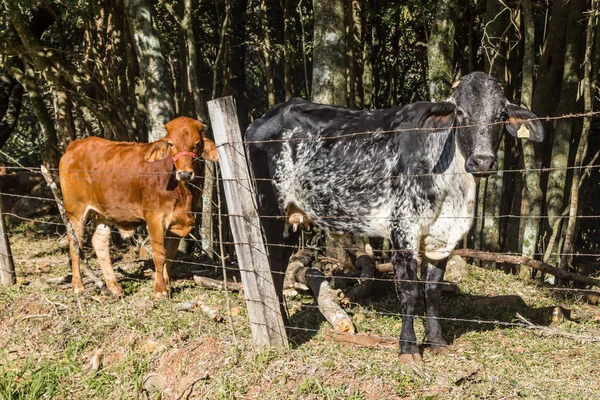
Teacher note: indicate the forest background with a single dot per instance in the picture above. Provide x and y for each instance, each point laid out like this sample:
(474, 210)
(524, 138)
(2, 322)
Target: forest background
(121, 69)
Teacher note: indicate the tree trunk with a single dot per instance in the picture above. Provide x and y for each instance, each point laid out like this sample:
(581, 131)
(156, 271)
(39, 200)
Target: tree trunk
(367, 57)
(583, 140)
(288, 76)
(530, 225)
(237, 59)
(358, 34)
(192, 66)
(329, 69)
(7, 266)
(490, 188)
(440, 51)
(350, 57)
(26, 78)
(158, 95)
(267, 54)
(11, 99)
(565, 129)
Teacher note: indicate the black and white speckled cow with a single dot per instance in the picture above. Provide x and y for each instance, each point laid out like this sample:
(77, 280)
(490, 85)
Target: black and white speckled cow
(414, 186)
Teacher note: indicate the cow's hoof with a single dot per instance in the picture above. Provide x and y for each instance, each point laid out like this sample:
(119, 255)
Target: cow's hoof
(439, 350)
(161, 295)
(410, 358)
(78, 288)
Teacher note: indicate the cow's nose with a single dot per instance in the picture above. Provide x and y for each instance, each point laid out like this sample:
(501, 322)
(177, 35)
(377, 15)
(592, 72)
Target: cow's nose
(184, 175)
(481, 163)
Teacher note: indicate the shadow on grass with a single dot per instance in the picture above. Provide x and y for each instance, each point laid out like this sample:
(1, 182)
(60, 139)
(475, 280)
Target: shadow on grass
(460, 314)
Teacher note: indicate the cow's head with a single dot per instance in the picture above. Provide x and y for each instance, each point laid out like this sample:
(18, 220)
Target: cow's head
(184, 142)
(481, 112)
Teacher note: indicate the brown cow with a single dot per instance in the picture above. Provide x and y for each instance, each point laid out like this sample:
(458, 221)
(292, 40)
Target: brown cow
(130, 184)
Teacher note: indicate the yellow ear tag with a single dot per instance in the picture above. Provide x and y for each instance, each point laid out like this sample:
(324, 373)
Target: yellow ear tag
(523, 132)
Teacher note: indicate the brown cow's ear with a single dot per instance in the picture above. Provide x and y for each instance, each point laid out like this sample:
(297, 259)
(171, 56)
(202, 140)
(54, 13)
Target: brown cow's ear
(157, 151)
(209, 151)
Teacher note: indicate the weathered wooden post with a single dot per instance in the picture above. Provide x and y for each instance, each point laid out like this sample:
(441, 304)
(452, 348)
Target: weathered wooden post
(263, 305)
(7, 267)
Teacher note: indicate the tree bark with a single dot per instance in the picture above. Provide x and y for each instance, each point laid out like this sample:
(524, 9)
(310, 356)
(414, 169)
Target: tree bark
(583, 140)
(532, 193)
(270, 86)
(367, 57)
(350, 56)
(288, 76)
(440, 51)
(7, 266)
(565, 129)
(158, 96)
(329, 69)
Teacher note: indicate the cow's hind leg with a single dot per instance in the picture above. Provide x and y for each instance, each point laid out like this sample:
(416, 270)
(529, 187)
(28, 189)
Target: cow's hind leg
(432, 272)
(404, 261)
(77, 220)
(101, 243)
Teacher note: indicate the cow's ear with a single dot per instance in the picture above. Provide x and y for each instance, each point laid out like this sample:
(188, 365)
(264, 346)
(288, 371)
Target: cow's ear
(523, 124)
(440, 115)
(157, 151)
(209, 150)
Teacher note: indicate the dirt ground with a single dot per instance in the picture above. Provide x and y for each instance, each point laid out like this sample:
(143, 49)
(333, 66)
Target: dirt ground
(55, 345)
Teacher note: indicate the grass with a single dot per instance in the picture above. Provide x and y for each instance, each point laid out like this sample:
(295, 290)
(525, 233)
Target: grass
(48, 336)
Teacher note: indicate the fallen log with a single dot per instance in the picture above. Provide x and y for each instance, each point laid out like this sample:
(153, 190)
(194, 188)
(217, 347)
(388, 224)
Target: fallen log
(366, 283)
(328, 299)
(513, 259)
(214, 284)
(363, 339)
(535, 264)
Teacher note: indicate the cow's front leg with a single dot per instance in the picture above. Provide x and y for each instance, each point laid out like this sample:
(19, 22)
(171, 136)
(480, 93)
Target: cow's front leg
(404, 261)
(433, 272)
(159, 256)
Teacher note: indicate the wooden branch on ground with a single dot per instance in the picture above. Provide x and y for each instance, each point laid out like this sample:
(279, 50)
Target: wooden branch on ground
(63, 214)
(363, 339)
(535, 264)
(328, 299)
(544, 330)
(366, 284)
(214, 284)
(514, 259)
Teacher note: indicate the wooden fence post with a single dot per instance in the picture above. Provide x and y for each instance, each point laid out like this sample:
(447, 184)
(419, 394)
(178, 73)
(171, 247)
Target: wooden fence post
(7, 266)
(263, 305)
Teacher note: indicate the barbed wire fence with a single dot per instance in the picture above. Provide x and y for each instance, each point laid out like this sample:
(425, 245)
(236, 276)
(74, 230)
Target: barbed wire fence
(224, 262)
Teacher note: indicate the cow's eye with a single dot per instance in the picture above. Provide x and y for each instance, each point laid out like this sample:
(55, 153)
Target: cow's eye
(170, 144)
(504, 115)
(460, 113)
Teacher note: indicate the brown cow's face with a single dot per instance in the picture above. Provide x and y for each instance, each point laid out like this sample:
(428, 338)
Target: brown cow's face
(185, 142)
(184, 139)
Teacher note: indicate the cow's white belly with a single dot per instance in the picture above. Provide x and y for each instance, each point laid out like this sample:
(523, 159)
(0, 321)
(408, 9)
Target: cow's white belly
(452, 223)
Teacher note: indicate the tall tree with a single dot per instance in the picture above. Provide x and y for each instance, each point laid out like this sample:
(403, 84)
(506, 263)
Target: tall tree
(329, 60)
(530, 224)
(440, 51)
(329, 75)
(158, 93)
(565, 128)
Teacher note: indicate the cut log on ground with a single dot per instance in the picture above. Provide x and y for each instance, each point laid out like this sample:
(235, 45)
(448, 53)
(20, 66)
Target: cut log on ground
(538, 265)
(363, 339)
(366, 284)
(214, 284)
(328, 299)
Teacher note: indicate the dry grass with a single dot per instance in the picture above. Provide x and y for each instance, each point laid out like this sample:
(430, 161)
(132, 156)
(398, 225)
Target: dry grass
(48, 336)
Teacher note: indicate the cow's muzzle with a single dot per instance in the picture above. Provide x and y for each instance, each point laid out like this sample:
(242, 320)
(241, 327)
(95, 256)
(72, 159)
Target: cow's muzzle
(184, 175)
(481, 164)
